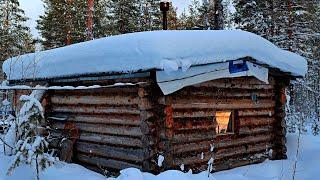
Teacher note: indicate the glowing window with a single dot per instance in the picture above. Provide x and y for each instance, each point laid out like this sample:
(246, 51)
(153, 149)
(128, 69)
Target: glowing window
(224, 122)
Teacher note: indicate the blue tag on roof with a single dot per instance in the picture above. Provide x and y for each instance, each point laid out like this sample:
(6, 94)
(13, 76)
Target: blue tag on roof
(237, 66)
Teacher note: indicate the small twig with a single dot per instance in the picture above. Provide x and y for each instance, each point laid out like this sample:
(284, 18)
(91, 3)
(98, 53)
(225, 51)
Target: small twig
(6, 143)
(297, 154)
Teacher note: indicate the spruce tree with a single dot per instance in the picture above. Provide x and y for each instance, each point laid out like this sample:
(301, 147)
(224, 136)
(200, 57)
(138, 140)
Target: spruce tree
(150, 15)
(65, 22)
(212, 14)
(123, 16)
(193, 19)
(15, 37)
(292, 25)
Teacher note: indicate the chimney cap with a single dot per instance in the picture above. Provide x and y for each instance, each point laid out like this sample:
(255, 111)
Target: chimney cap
(164, 6)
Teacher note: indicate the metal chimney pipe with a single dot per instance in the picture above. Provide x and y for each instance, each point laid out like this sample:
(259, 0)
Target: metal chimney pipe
(164, 7)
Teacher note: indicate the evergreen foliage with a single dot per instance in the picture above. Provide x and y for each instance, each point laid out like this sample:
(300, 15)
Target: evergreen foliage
(15, 36)
(31, 147)
(292, 25)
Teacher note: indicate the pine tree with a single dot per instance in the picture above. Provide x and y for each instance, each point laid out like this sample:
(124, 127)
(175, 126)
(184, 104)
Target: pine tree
(150, 15)
(193, 18)
(65, 22)
(182, 21)
(292, 25)
(212, 14)
(123, 16)
(15, 37)
(173, 23)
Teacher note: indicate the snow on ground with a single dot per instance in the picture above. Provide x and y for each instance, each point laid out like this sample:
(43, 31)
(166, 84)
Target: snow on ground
(152, 50)
(307, 168)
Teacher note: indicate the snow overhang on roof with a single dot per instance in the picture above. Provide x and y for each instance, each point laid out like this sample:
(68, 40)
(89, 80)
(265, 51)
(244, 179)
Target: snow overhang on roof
(162, 50)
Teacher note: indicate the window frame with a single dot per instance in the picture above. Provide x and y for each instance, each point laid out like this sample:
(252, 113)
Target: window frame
(232, 116)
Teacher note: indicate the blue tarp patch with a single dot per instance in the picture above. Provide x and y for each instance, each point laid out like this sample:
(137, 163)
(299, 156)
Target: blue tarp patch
(237, 66)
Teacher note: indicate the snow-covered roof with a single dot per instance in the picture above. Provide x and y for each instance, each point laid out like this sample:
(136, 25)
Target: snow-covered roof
(168, 50)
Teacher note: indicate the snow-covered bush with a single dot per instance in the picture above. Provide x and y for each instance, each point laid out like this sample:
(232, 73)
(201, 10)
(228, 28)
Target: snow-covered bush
(30, 147)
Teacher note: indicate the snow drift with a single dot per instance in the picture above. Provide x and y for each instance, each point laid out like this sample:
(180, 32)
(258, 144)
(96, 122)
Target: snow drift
(152, 50)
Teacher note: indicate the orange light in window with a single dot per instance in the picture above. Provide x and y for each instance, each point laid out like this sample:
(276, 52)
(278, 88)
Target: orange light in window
(224, 122)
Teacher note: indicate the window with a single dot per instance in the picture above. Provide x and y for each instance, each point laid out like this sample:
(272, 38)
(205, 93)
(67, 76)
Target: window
(224, 122)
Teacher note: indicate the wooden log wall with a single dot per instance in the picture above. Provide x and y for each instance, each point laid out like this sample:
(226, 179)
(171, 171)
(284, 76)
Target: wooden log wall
(189, 132)
(116, 124)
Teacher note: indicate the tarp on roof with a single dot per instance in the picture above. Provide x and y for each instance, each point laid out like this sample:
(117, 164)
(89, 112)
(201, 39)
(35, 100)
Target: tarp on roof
(168, 50)
(174, 81)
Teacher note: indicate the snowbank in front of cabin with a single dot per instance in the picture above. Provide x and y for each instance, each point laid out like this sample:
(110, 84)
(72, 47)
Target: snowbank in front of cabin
(307, 168)
(152, 50)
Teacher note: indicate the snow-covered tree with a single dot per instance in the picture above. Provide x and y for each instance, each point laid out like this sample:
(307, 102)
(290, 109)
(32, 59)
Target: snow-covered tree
(31, 147)
(65, 21)
(292, 25)
(212, 14)
(150, 13)
(15, 36)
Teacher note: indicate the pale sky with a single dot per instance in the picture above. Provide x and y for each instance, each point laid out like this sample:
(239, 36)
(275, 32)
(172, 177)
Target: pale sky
(34, 8)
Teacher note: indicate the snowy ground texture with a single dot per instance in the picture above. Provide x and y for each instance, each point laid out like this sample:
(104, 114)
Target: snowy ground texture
(307, 168)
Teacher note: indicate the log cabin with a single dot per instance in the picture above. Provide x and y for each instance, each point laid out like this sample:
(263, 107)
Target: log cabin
(189, 98)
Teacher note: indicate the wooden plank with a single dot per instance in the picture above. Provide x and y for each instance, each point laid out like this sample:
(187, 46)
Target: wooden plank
(194, 113)
(209, 92)
(95, 100)
(117, 91)
(234, 85)
(241, 151)
(256, 121)
(112, 152)
(222, 104)
(126, 119)
(255, 130)
(112, 140)
(193, 137)
(104, 129)
(192, 125)
(107, 163)
(252, 139)
(193, 159)
(225, 165)
(256, 112)
(199, 147)
(95, 109)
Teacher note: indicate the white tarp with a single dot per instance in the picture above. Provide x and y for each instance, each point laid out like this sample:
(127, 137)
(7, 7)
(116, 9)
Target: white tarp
(176, 80)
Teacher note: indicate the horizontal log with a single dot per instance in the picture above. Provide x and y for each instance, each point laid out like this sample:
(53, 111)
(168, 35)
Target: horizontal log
(145, 104)
(241, 151)
(110, 152)
(221, 104)
(192, 160)
(95, 109)
(104, 129)
(256, 121)
(126, 119)
(195, 113)
(201, 146)
(95, 100)
(235, 84)
(233, 142)
(210, 92)
(123, 91)
(256, 112)
(104, 162)
(112, 140)
(192, 137)
(255, 130)
(225, 165)
(190, 125)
